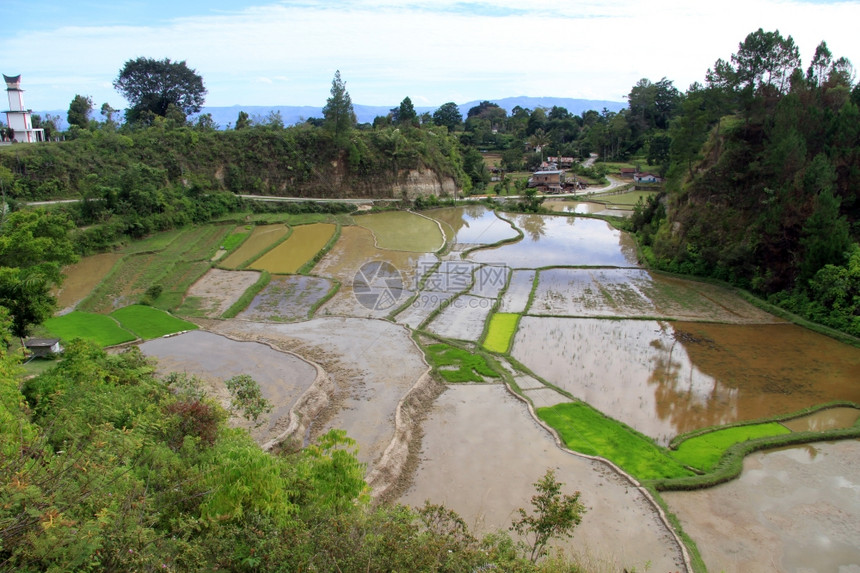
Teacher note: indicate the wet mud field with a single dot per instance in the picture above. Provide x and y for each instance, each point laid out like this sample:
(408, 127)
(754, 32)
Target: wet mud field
(282, 377)
(484, 440)
(792, 509)
(217, 290)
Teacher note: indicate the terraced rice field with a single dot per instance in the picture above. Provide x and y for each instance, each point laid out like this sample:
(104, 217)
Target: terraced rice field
(561, 241)
(472, 225)
(82, 277)
(262, 237)
(403, 231)
(301, 246)
(286, 299)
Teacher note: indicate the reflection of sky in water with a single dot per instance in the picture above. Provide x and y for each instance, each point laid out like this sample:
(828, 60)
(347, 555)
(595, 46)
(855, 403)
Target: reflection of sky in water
(634, 371)
(473, 224)
(557, 240)
(666, 378)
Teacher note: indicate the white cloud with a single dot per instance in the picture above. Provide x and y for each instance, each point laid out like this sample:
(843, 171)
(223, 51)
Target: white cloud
(286, 53)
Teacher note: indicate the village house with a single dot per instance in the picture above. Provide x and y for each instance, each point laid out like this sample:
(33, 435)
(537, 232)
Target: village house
(551, 181)
(40, 347)
(646, 177)
(628, 172)
(562, 162)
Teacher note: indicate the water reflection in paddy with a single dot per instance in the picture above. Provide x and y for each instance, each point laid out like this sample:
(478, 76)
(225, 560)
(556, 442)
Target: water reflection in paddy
(791, 509)
(471, 225)
(667, 378)
(553, 240)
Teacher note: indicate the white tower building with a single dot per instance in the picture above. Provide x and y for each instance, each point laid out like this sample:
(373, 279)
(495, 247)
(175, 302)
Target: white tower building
(17, 116)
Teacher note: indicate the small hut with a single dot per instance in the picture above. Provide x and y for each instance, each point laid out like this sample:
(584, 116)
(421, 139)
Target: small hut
(40, 347)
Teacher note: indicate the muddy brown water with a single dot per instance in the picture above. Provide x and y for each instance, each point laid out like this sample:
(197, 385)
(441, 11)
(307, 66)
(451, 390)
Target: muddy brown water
(282, 377)
(666, 378)
(791, 510)
(554, 240)
(823, 420)
(481, 454)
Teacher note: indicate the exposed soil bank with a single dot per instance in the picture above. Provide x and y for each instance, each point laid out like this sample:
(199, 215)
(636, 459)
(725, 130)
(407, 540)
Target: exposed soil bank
(481, 454)
(793, 509)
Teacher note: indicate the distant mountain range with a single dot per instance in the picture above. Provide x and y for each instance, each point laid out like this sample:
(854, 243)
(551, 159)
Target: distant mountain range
(292, 114)
(366, 113)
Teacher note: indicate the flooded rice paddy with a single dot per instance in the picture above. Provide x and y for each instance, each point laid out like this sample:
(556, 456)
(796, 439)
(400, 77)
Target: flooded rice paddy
(282, 377)
(793, 509)
(472, 225)
(372, 363)
(665, 378)
(635, 293)
(303, 243)
(482, 439)
(562, 241)
(403, 231)
(286, 299)
(355, 248)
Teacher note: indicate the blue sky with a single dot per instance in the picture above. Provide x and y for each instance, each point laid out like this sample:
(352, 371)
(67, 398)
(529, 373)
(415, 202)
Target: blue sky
(268, 52)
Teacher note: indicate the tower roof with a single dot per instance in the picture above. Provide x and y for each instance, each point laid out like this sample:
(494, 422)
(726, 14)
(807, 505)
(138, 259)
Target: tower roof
(12, 82)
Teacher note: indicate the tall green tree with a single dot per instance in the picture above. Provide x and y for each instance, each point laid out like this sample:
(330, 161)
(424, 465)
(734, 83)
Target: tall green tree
(152, 86)
(79, 111)
(404, 114)
(33, 247)
(448, 115)
(338, 114)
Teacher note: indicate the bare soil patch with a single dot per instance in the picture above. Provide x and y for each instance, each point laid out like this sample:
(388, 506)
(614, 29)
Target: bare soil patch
(217, 290)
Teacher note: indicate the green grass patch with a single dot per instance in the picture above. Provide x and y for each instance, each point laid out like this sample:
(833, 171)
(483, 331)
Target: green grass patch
(236, 238)
(152, 243)
(587, 431)
(469, 367)
(629, 199)
(503, 325)
(704, 451)
(148, 322)
(101, 329)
